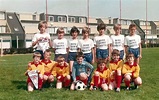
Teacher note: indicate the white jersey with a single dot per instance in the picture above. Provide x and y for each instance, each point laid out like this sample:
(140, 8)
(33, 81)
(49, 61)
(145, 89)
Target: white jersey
(102, 42)
(132, 41)
(117, 42)
(60, 46)
(86, 45)
(73, 45)
(44, 43)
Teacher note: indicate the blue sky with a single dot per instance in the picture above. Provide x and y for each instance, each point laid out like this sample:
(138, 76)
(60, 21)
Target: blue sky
(130, 9)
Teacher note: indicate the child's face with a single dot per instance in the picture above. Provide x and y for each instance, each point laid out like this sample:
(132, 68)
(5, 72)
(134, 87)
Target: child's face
(79, 60)
(36, 59)
(61, 34)
(130, 59)
(42, 28)
(101, 66)
(74, 35)
(85, 35)
(115, 57)
(47, 55)
(132, 30)
(101, 31)
(61, 62)
(117, 31)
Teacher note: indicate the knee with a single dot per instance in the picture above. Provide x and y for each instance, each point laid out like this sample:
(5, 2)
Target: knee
(96, 73)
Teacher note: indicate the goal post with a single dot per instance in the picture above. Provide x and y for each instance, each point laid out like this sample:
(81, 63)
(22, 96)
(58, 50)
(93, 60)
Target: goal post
(1, 45)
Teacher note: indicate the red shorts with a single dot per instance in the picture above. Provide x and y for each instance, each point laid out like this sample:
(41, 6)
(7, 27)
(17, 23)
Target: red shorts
(47, 73)
(102, 81)
(61, 79)
(84, 81)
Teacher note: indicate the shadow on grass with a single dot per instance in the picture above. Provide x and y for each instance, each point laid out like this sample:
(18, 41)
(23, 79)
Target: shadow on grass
(20, 84)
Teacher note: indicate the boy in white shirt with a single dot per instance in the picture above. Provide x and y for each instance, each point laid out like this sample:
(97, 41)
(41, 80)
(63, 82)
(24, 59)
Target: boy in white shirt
(87, 46)
(42, 39)
(118, 40)
(73, 46)
(60, 45)
(133, 43)
(102, 44)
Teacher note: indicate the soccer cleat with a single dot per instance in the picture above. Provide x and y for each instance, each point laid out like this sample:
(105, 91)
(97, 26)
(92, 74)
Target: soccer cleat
(127, 88)
(94, 88)
(136, 86)
(118, 90)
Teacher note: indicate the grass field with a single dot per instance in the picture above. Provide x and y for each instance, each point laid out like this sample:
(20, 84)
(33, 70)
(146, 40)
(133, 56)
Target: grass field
(13, 82)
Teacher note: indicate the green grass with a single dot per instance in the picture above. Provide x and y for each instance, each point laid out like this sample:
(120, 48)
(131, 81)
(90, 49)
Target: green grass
(13, 82)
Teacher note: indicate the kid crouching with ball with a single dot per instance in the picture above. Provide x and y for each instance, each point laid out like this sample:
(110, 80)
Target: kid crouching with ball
(79, 71)
(61, 71)
(131, 71)
(39, 67)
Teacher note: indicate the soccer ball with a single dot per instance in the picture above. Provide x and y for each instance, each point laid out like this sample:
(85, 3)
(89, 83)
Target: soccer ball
(79, 85)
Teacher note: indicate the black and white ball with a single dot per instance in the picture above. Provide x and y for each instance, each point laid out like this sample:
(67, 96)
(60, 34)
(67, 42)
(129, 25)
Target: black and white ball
(79, 85)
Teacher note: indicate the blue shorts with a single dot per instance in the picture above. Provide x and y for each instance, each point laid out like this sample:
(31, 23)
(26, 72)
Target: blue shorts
(121, 54)
(134, 51)
(64, 55)
(72, 56)
(101, 53)
(88, 57)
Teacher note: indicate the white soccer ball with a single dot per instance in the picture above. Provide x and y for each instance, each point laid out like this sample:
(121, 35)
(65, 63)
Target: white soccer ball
(79, 85)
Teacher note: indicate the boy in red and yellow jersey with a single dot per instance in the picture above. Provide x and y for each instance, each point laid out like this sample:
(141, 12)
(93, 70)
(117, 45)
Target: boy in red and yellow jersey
(115, 66)
(48, 66)
(100, 78)
(131, 71)
(35, 65)
(61, 72)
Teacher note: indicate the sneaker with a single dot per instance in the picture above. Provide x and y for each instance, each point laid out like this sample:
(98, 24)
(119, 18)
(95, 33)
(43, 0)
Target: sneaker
(127, 88)
(118, 90)
(94, 88)
(136, 86)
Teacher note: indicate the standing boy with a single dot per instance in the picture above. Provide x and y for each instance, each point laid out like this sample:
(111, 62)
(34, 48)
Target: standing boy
(60, 45)
(133, 43)
(118, 40)
(102, 43)
(73, 46)
(42, 39)
(87, 46)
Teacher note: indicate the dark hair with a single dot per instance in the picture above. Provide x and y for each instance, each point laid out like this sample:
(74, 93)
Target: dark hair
(132, 25)
(129, 55)
(80, 54)
(101, 26)
(100, 61)
(74, 29)
(115, 51)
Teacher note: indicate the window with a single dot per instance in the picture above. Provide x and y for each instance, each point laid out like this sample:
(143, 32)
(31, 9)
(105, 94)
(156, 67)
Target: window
(10, 17)
(2, 29)
(34, 17)
(51, 18)
(82, 20)
(2, 16)
(124, 22)
(61, 19)
(71, 19)
(16, 29)
(51, 30)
